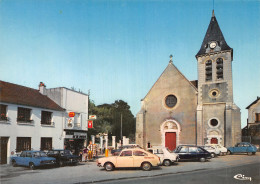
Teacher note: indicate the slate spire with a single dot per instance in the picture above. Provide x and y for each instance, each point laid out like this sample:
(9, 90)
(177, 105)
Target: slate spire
(213, 34)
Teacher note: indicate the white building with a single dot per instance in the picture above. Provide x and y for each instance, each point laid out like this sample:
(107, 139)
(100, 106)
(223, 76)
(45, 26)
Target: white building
(28, 120)
(75, 128)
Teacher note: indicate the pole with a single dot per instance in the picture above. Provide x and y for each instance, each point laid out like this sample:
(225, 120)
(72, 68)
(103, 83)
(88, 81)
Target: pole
(121, 126)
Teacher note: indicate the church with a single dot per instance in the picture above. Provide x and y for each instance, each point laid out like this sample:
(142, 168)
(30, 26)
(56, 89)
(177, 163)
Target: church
(177, 111)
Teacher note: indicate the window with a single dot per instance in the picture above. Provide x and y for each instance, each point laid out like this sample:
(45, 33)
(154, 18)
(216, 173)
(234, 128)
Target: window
(184, 150)
(46, 143)
(171, 101)
(219, 68)
(200, 150)
(193, 150)
(126, 154)
(159, 151)
(3, 112)
(24, 114)
(151, 151)
(23, 143)
(214, 122)
(46, 118)
(208, 70)
(257, 117)
(139, 153)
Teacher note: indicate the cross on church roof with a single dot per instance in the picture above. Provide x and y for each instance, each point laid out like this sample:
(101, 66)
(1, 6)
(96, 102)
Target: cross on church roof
(171, 58)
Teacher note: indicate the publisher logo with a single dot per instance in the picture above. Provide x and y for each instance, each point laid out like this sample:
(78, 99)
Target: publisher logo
(242, 177)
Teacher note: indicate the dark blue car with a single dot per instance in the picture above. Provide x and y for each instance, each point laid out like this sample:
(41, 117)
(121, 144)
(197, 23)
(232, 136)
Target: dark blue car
(32, 159)
(190, 152)
(242, 147)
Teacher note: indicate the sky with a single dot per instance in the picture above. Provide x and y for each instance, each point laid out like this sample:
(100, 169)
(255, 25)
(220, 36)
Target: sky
(117, 49)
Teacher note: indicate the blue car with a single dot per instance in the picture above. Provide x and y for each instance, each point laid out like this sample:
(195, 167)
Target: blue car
(32, 159)
(242, 147)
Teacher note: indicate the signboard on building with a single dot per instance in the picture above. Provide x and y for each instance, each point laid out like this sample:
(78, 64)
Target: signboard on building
(90, 123)
(92, 117)
(71, 114)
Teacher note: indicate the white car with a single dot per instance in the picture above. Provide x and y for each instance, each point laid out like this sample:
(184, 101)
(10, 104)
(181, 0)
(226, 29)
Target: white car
(213, 151)
(167, 157)
(222, 149)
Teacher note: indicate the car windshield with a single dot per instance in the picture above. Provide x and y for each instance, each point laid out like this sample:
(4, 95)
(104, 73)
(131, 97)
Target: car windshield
(39, 154)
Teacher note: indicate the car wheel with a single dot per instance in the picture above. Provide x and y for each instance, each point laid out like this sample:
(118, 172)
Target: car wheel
(229, 152)
(253, 153)
(32, 166)
(109, 167)
(249, 153)
(212, 155)
(202, 159)
(146, 166)
(61, 163)
(167, 162)
(14, 163)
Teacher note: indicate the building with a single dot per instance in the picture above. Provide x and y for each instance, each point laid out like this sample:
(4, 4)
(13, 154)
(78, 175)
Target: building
(74, 128)
(251, 132)
(29, 120)
(178, 111)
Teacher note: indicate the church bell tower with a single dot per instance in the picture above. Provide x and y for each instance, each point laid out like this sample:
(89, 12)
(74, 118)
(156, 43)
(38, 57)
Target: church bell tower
(218, 118)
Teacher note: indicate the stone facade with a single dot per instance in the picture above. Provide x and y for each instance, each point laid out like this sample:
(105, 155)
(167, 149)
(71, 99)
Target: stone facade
(194, 114)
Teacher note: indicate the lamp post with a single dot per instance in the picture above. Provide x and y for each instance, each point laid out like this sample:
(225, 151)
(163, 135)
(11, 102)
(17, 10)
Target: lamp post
(121, 127)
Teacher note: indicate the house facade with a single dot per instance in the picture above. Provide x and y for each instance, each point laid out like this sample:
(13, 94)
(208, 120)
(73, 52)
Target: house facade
(29, 120)
(178, 111)
(74, 128)
(251, 133)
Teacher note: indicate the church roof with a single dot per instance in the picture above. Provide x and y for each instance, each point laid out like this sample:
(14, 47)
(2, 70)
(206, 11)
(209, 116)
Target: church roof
(213, 33)
(193, 84)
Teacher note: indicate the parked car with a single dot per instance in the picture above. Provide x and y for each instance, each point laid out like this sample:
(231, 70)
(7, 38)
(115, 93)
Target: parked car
(189, 152)
(32, 159)
(242, 147)
(213, 150)
(222, 149)
(63, 157)
(128, 158)
(115, 152)
(166, 156)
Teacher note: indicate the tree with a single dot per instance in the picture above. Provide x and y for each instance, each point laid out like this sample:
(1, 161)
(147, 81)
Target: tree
(109, 119)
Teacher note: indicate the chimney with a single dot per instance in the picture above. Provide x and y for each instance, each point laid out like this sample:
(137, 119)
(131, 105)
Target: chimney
(42, 88)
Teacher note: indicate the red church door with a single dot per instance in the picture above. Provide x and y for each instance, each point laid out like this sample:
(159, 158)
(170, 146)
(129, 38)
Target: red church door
(170, 140)
(214, 141)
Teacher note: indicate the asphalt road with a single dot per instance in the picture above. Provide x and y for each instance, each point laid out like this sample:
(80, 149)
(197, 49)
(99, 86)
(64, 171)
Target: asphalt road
(212, 176)
(219, 170)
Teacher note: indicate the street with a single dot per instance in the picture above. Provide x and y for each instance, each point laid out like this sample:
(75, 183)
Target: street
(218, 170)
(223, 175)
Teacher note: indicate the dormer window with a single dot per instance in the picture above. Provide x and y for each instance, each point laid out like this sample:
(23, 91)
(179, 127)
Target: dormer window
(208, 70)
(219, 67)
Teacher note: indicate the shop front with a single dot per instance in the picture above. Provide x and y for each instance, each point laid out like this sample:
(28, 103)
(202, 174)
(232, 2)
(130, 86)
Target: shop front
(75, 140)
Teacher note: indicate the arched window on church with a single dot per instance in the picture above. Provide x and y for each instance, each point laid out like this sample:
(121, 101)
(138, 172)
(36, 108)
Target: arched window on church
(208, 70)
(219, 68)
